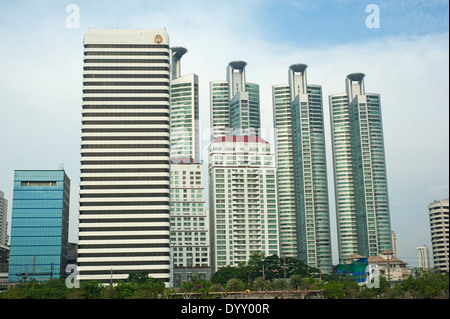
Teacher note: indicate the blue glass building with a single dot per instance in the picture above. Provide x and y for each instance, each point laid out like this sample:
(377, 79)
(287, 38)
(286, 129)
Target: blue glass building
(39, 225)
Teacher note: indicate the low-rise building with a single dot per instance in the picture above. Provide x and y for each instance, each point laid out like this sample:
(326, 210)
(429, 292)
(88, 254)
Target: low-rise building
(390, 267)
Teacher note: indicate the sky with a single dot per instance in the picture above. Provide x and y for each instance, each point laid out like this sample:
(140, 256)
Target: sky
(402, 46)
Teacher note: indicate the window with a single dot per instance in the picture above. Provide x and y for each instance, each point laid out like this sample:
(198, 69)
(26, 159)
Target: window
(41, 183)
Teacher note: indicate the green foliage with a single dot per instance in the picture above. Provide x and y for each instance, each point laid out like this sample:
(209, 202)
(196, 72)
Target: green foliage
(280, 284)
(224, 274)
(235, 285)
(341, 289)
(422, 284)
(426, 284)
(258, 265)
(91, 289)
(261, 284)
(295, 282)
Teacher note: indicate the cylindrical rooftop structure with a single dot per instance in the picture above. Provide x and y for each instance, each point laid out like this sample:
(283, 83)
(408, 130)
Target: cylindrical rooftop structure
(177, 54)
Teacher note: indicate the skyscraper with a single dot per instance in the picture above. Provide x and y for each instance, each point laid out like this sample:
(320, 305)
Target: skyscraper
(39, 225)
(439, 215)
(184, 110)
(3, 219)
(124, 222)
(361, 190)
(302, 174)
(189, 229)
(243, 200)
(235, 104)
(423, 257)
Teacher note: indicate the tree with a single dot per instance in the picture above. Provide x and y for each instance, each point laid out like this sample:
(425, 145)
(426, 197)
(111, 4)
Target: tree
(235, 285)
(261, 284)
(426, 284)
(340, 289)
(223, 275)
(52, 289)
(295, 282)
(91, 289)
(280, 284)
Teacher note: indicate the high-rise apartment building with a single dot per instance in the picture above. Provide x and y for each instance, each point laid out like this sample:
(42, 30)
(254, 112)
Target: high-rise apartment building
(243, 200)
(302, 174)
(439, 219)
(39, 225)
(124, 220)
(3, 219)
(361, 190)
(423, 257)
(184, 110)
(189, 229)
(189, 219)
(235, 104)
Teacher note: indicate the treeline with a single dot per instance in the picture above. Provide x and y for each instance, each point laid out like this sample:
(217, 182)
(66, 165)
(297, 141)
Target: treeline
(260, 273)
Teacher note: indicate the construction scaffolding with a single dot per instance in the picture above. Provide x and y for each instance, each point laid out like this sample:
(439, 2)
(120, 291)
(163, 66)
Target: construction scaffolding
(355, 267)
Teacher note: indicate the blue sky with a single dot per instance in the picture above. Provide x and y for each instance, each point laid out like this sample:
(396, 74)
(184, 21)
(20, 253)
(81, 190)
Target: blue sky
(405, 60)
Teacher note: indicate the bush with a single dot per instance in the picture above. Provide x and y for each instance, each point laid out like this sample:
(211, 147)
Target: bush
(235, 285)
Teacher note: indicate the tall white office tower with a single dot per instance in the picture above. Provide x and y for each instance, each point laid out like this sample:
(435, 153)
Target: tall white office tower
(125, 165)
(184, 110)
(302, 174)
(439, 215)
(361, 190)
(235, 104)
(243, 200)
(3, 219)
(423, 257)
(189, 229)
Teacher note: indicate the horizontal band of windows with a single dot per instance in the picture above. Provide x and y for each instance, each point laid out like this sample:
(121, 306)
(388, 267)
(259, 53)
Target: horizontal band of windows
(103, 246)
(120, 272)
(136, 187)
(87, 114)
(126, 220)
(87, 122)
(122, 46)
(123, 99)
(119, 195)
(130, 162)
(126, 76)
(101, 229)
(107, 237)
(132, 178)
(126, 68)
(124, 263)
(125, 170)
(139, 53)
(108, 280)
(156, 203)
(132, 61)
(124, 116)
(125, 83)
(125, 107)
(125, 130)
(123, 91)
(130, 154)
(124, 212)
(125, 138)
(123, 146)
(133, 254)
